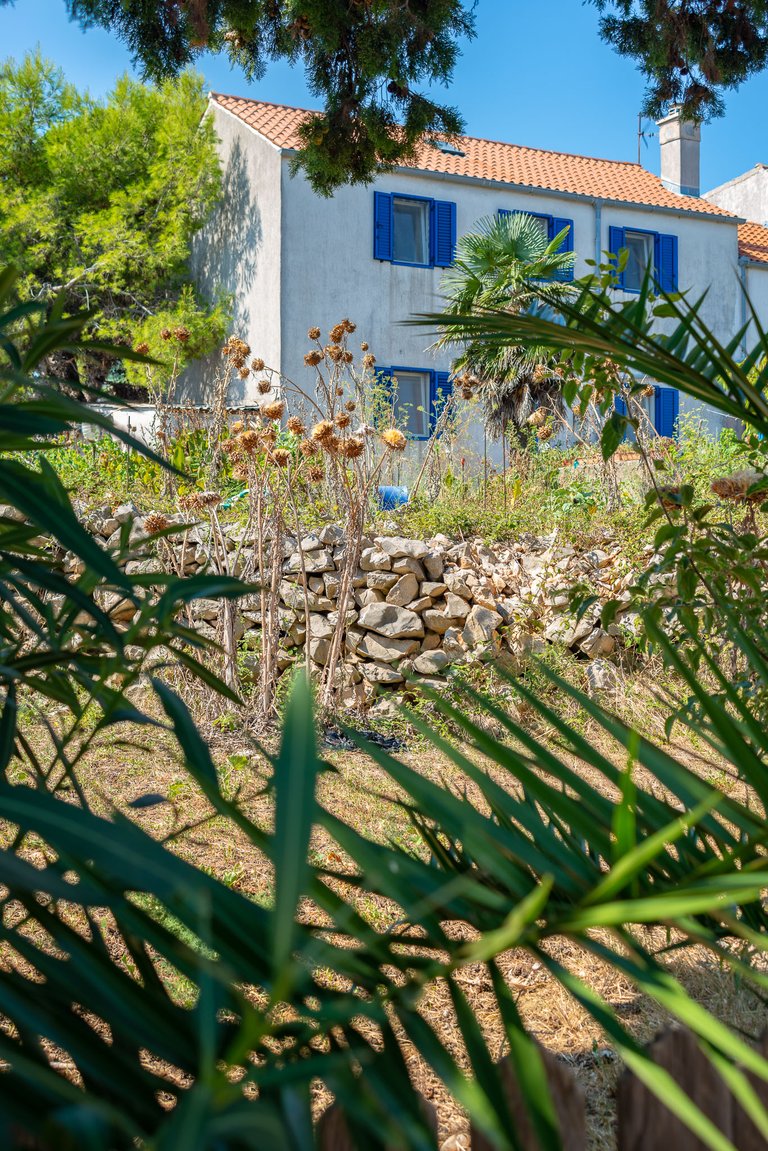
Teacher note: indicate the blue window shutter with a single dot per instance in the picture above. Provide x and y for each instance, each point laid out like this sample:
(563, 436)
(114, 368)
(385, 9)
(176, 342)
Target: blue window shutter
(556, 225)
(442, 387)
(443, 233)
(620, 406)
(382, 226)
(666, 262)
(615, 244)
(504, 212)
(666, 410)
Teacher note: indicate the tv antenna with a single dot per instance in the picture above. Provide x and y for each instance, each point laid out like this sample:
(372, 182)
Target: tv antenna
(641, 135)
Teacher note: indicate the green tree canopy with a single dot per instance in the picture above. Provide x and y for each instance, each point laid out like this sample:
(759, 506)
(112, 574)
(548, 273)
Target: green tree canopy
(100, 200)
(364, 60)
(689, 50)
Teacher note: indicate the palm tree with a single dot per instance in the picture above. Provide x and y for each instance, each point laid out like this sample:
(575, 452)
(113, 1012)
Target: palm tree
(507, 263)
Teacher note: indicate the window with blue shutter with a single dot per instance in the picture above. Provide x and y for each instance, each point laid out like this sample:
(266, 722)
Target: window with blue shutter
(666, 411)
(644, 248)
(552, 226)
(419, 397)
(443, 232)
(442, 387)
(382, 226)
(414, 230)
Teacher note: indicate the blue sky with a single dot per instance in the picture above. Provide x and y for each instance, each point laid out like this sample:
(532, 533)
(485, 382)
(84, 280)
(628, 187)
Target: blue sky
(536, 74)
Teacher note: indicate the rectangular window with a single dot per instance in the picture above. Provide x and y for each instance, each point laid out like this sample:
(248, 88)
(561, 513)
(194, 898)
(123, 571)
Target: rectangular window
(419, 398)
(639, 246)
(414, 230)
(645, 249)
(411, 402)
(411, 231)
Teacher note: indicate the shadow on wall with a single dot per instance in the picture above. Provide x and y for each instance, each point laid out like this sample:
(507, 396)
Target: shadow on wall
(224, 259)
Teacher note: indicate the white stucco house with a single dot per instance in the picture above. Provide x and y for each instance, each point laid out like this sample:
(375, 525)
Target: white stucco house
(292, 259)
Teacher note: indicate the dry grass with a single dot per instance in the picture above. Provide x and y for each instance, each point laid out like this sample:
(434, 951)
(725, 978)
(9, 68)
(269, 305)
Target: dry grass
(358, 791)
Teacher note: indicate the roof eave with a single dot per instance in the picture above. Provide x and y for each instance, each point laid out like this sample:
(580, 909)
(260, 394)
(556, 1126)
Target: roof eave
(534, 190)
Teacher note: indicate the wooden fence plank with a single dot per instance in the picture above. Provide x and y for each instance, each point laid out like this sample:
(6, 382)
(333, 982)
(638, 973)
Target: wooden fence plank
(745, 1135)
(333, 1132)
(566, 1096)
(644, 1122)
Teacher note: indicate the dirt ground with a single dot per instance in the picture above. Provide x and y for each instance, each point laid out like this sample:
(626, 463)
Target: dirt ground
(118, 775)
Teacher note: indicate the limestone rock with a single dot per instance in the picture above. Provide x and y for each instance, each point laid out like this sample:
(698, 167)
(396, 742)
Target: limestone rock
(434, 589)
(480, 626)
(381, 581)
(372, 560)
(406, 589)
(598, 644)
(431, 662)
(456, 607)
(385, 650)
(381, 673)
(404, 564)
(433, 565)
(396, 546)
(436, 621)
(392, 621)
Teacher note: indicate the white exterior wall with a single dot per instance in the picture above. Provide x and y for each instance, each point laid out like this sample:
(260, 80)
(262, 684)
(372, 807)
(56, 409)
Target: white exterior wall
(238, 253)
(756, 283)
(745, 196)
(329, 271)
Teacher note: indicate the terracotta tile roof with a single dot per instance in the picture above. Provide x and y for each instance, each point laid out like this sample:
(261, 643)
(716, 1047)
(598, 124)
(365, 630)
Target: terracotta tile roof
(620, 180)
(753, 242)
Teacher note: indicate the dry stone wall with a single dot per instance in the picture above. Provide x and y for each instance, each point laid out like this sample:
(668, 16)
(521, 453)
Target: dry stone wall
(418, 607)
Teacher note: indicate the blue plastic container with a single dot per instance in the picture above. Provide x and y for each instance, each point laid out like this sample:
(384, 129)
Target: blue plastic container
(391, 497)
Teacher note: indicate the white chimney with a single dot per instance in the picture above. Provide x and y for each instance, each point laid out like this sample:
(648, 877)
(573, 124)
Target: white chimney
(680, 142)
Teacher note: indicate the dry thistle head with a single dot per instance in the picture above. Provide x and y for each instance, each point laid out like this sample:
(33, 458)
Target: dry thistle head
(313, 358)
(268, 437)
(337, 333)
(369, 360)
(347, 357)
(257, 364)
(313, 333)
(307, 448)
(332, 445)
(315, 474)
(263, 387)
(240, 470)
(181, 333)
(737, 486)
(142, 349)
(467, 393)
(350, 405)
(249, 441)
(545, 433)
(394, 439)
(537, 418)
(322, 430)
(209, 499)
(237, 427)
(348, 326)
(334, 352)
(274, 411)
(165, 334)
(363, 346)
(156, 522)
(244, 373)
(296, 426)
(282, 457)
(343, 420)
(352, 448)
(647, 391)
(190, 502)
(339, 391)
(540, 374)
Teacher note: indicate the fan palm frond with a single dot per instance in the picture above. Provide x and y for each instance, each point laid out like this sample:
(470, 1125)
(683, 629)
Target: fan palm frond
(505, 264)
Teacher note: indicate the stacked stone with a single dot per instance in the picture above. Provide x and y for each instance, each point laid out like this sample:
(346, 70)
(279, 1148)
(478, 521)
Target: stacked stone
(417, 607)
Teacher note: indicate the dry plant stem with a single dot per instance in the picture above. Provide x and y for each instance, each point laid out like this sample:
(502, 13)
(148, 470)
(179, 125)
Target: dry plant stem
(437, 432)
(291, 495)
(229, 641)
(221, 388)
